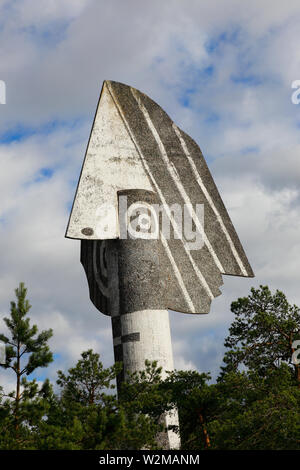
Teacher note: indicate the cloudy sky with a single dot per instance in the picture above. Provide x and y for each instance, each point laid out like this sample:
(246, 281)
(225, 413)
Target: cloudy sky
(222, 69)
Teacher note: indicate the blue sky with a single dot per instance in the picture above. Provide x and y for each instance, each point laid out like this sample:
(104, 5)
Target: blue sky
(223, 75)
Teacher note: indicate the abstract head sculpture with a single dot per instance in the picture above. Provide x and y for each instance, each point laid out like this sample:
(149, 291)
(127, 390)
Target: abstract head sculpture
(155, 234)
(134, 145)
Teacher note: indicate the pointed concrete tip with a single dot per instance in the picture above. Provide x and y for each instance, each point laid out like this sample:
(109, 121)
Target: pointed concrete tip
(134, 144)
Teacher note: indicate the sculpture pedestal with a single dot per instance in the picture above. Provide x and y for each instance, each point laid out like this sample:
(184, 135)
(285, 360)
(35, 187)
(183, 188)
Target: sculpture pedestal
(142, 335)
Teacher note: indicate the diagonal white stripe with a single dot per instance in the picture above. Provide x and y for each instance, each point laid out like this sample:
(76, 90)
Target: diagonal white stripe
(177, 274)
(164, 202)
(175, 226)
(175, 176)
(209, 199)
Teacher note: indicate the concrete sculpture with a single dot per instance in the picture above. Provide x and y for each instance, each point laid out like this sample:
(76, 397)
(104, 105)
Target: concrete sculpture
(155, 234)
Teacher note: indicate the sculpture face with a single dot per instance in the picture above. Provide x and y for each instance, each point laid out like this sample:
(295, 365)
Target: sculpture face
(134, 145)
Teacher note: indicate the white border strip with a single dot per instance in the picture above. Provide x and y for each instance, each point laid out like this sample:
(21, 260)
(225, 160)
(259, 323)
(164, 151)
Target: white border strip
(177, 274)
(175, 176)
(209, 199)
(164, 202)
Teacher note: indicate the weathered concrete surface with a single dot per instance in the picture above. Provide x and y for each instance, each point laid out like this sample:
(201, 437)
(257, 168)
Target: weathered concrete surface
(111, 163)
(135, 150)
(132, 296)
(141, 330)
(135, 145)
(144, 335)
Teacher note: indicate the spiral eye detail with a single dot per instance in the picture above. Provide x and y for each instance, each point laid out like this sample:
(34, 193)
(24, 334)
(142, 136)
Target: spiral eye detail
(100, 265)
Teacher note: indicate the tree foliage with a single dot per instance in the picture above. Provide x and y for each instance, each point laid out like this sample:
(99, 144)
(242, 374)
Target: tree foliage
(254, 405)
(25, 350)
(263, 332)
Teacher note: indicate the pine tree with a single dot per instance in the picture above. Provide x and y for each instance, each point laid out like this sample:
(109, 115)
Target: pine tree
(263, 333)
(260, 383)
(196, 402)
(84, 416)
(25, 351)
(86, 381)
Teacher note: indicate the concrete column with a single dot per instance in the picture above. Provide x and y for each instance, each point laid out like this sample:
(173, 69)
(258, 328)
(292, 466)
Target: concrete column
(141, 330)
(145, 334)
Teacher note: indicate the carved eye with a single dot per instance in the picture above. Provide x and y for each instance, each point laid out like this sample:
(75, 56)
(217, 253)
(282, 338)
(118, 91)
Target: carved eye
(142, 221)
